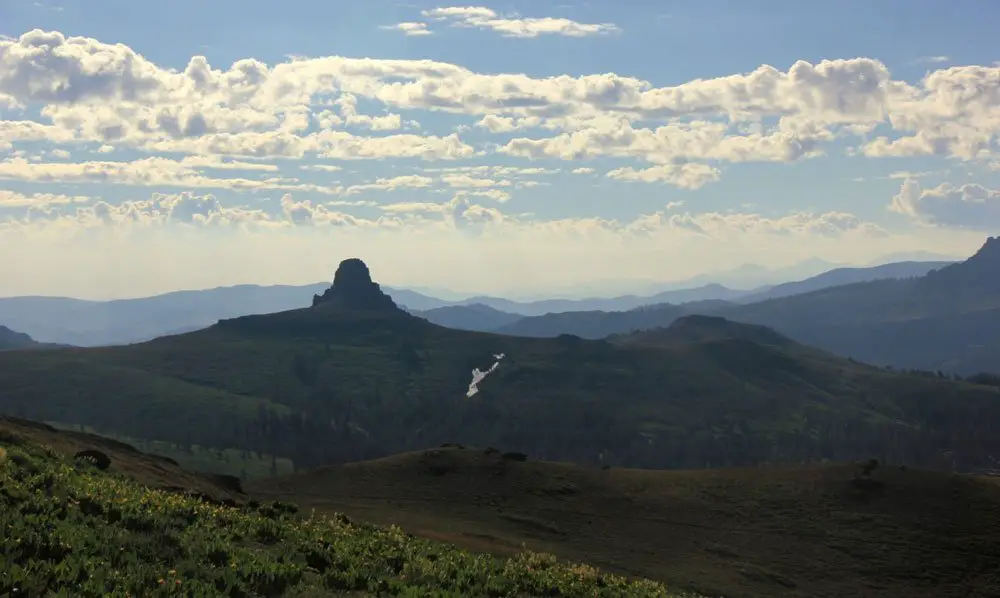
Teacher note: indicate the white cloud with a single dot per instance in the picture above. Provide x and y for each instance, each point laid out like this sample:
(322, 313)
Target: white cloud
(955, 112)
(93, 92)
(506, 124)
(965, 206)
(464, 181)
(188, 208)
(152, 172)
(321, 167)
(481, 17)
(584, 170)
(391, 184)
(13, 199)
(497, 195)
(684, 175)
(348, 104)
(470, 185)
(409, 28)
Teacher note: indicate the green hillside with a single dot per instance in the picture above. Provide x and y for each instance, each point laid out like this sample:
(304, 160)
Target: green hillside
(71, 529)
(354, 377)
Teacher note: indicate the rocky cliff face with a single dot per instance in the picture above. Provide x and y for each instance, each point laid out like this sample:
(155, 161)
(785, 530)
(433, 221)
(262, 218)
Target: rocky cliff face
(353, 289)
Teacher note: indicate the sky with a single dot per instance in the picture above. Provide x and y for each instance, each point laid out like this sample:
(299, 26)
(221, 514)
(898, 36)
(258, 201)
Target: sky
(505, 148)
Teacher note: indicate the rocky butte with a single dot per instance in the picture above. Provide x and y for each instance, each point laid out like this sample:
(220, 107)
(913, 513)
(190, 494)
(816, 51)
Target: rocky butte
(354, 289)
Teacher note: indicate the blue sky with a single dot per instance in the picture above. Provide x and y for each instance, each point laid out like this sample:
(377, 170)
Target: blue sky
(705, 135)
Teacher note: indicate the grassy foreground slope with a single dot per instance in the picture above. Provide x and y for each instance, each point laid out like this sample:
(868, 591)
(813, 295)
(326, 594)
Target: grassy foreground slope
(802, 531)
(72, 530)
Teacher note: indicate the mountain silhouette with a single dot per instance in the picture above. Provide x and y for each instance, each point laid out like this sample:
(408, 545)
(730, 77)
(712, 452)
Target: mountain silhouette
(354, 289)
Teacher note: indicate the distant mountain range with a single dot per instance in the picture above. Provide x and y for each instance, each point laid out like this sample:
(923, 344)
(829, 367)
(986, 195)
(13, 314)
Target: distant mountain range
(96, 323)
(948, 319)
(99, 323)
(841, 276)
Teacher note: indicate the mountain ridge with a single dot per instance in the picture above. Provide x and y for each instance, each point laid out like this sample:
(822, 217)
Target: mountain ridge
(124, 321)
(333, 382)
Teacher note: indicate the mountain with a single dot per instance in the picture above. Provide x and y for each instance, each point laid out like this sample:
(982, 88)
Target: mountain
(354, 376)
(100, 323)
(914, 256)
(123, 321)
(946, 320)
(594, 324)
(11, 340)
(621, 303)
(547, 317)
(749, 276)
(702, 329)
(842, 276)
(477, 317)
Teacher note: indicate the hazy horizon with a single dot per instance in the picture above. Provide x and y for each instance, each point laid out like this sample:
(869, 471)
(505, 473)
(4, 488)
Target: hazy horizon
(589, 290)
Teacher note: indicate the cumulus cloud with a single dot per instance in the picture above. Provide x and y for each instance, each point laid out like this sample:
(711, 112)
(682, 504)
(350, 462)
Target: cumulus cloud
(161, 172)
(349, 115)
(955, 112)
(184, 208)
(513, 25)
(446, 178)
(87, 91)
(462, 211)
(391, 184)
(414, 29)
(684, 175)
(13, 199)
(964, 206)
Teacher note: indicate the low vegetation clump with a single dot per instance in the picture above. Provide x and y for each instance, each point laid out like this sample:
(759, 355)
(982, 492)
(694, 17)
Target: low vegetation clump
(69, 529)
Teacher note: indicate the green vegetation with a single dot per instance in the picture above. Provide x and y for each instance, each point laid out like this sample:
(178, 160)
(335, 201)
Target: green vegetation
(71, 530)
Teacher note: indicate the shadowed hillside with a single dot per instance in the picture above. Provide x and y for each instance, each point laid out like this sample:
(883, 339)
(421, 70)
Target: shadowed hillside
(774, 531)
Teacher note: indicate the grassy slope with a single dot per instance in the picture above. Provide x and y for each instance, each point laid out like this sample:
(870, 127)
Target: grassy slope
(562, 386)
(71, 529)
(755, 532)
